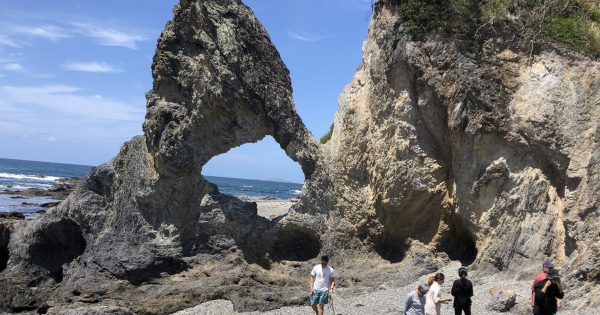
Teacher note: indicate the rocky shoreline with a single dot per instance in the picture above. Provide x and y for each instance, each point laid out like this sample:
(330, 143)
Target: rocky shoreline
(47, 198)
(268, 207)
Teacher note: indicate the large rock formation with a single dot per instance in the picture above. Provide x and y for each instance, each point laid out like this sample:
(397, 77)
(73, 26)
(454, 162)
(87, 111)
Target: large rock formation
(218, 83)
(490, 158)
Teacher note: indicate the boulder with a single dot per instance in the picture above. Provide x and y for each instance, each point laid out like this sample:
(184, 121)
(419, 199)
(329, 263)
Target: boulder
(503, 300)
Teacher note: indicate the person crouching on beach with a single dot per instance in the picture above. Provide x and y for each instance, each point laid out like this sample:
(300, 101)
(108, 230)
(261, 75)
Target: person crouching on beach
(462, 290)
(415, 301)
(322, 281)
(434, 301)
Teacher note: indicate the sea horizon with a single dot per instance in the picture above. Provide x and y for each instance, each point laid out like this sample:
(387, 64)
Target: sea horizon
(21, 175)
(275, 180)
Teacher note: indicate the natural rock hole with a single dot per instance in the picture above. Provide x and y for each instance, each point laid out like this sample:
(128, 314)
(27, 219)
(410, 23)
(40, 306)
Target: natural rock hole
(263, 174)
(460, 244)
(4, 239)
(391, 247)
(400, 225)
(56, 244)
(296, 244)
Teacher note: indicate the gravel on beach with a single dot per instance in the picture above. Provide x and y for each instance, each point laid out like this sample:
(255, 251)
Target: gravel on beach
(389, 300)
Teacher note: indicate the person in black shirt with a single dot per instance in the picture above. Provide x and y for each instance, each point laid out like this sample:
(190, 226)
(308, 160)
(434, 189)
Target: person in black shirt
(546, 293)
(462, 290)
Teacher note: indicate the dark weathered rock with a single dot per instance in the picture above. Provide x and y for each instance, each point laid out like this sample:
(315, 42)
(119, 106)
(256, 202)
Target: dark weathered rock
(13, 215)
(218, 83)
(58, 191)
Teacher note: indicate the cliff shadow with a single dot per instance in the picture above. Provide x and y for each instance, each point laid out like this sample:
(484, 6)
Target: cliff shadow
(56, 244)
(459, 243)
(4, 240)
(415, 219)
(295, 243)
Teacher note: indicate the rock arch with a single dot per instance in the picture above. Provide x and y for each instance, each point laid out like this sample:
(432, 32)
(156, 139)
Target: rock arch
(218, 83)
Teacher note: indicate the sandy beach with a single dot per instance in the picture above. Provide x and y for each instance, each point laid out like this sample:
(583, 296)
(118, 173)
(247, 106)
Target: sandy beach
(269, 207)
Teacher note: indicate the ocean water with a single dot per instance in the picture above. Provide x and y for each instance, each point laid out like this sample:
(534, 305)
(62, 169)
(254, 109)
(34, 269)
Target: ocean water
(16, 175)
(255, 188)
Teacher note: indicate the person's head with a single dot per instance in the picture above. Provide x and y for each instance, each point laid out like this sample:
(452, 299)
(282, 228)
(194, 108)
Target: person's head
(553, 276)
(548, 266)
(439, 278)
(324, 260)
(430, 280)
(422, 290)
(462, 272)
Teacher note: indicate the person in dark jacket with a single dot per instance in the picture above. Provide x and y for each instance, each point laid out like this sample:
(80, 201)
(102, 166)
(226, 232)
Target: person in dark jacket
(546, 294)
(462, 290)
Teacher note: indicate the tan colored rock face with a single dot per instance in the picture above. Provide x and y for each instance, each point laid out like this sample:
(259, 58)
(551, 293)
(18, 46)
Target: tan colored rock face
(491, 159)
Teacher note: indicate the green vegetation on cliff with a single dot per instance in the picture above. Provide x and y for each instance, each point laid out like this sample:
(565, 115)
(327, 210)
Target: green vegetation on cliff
(326, 137)
(575, 23)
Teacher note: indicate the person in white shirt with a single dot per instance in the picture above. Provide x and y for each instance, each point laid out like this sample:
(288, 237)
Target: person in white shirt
(434, 301)
(322, 281)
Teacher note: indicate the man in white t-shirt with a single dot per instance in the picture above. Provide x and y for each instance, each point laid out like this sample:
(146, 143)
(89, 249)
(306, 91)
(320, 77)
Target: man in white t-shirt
(322, 280)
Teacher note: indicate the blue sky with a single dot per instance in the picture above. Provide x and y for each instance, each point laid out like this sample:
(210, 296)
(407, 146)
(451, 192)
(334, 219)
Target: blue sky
(73, 75)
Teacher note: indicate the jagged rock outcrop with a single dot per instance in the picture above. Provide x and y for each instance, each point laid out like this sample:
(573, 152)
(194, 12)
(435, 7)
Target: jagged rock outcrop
(438, 153)
(218, 83)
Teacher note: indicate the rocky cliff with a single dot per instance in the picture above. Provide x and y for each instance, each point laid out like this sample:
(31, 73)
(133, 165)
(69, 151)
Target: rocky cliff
(487, 157)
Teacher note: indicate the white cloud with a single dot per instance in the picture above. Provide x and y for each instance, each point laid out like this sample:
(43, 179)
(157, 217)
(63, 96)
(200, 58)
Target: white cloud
(47, 137)
(67, 101)
(13, 67)
(109, 37)
(91, 66)
(307, 37)
(5, 41)
(50, 32)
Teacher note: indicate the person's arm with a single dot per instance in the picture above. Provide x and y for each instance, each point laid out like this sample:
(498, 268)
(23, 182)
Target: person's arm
(470, 290)
(312, 284)
(332, 277)
(437, 298)
(407, 303)
(454, 290)
(546, 286)
(532, 301)
(560, 294)
(331, 284)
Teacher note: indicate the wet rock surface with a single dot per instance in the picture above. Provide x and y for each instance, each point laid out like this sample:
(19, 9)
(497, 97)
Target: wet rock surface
(13, 215)
(438, 158)
(58, 191)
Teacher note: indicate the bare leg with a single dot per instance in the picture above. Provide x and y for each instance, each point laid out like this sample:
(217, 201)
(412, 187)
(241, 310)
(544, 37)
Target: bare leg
(321, 309)
(315, 308)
